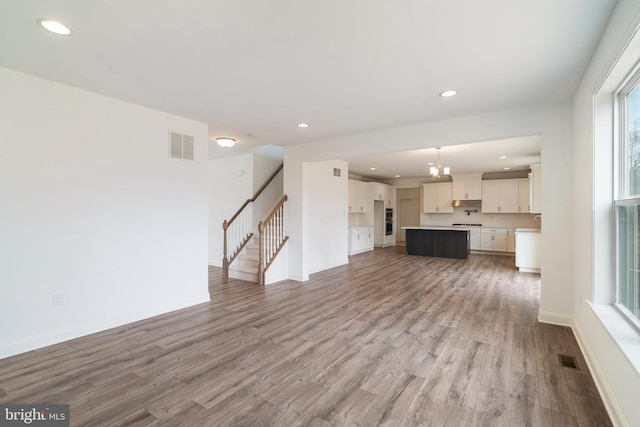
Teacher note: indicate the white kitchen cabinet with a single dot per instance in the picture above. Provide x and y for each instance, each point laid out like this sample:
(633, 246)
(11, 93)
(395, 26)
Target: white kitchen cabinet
(438, 197)
(493, 239)
(360, 239)
(385, 193)
(500, 196)
(469, 188)
(475, 239)
(524, 199)
(528, 244)
(535, 189)
(391, 201)
(511, 239)
(357, 196)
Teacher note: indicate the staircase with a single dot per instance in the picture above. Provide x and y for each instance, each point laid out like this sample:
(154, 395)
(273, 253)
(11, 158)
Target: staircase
(246, 265)
(253, 253)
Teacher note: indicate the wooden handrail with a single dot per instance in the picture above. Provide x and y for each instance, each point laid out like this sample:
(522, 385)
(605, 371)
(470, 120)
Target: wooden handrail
(226, 224)
(273, 250)
(273, 212)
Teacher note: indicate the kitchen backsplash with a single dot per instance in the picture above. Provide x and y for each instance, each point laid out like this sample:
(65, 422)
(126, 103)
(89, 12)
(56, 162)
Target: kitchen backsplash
(459, 216)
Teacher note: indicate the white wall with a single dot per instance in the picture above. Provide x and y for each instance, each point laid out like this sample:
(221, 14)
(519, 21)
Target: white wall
(93, 209)
(610, 345)
(327, 211)
(230, 185)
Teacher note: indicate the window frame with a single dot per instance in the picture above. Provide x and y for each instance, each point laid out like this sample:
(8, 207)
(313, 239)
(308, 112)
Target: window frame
(621, 183)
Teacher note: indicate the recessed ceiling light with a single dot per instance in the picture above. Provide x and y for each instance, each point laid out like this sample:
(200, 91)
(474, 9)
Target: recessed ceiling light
(225, 142)
(397, 176)
(54, 26)
(507, 169)
(430, 164)
(503, 157)
(372, 169)
(303, 125)
(448, 93)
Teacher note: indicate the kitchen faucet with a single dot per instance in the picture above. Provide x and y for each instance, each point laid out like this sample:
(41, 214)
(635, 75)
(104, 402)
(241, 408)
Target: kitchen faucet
(536, 217)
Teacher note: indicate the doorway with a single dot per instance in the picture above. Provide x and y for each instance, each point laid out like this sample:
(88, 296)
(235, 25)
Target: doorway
(408, 212)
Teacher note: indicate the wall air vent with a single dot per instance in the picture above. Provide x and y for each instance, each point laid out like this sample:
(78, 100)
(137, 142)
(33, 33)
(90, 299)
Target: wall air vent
(180, 146)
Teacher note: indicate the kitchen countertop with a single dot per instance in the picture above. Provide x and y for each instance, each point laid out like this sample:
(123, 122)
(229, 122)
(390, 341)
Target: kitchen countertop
(439, 227)
(527, 230)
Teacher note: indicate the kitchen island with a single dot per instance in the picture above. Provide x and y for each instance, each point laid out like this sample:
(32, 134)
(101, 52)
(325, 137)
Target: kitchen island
(436, 241)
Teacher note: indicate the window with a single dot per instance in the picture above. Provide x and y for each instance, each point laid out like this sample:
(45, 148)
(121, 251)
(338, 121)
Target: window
(627, 203)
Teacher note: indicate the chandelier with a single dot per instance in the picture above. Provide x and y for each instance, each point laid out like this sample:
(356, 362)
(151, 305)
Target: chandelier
(437, 171)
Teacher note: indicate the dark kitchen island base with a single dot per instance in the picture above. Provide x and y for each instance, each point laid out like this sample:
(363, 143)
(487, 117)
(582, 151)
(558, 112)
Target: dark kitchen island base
(443, 243)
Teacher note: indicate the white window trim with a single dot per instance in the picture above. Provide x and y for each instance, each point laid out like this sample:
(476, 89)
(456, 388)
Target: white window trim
(606, 130)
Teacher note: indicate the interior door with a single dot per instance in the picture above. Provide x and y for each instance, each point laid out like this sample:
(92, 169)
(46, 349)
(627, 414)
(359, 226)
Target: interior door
(408, 212)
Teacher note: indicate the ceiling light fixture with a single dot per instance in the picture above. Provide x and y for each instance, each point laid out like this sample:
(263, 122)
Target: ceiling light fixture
(372, 169)
(448, 93)
(435, 170)
(503, 157)
(225, 142)
(54, 26)
(303, 125)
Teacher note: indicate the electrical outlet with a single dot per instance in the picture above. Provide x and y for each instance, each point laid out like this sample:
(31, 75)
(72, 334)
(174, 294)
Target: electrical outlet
(58, 300)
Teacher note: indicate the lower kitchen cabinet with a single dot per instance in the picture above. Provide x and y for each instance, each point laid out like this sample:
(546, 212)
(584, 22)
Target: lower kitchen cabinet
(474, 239)
(511, 240)
(360, 239)
(493, 239)
(528, 244)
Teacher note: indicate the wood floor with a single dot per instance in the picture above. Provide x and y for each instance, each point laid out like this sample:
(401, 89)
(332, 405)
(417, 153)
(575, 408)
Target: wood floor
(390, 340)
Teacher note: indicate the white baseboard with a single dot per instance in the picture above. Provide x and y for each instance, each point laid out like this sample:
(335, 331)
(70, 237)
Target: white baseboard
(60, 335)
(613, 409)
(555, 318)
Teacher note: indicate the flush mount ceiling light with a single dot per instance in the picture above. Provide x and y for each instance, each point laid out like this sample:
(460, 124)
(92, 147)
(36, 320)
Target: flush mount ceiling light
(54, 26)
(225, 142)
(503, 157)
(303, 125)
(448, 93)
(435, 170)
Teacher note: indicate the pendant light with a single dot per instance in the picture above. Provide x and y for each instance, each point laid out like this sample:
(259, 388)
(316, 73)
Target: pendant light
(435, 170)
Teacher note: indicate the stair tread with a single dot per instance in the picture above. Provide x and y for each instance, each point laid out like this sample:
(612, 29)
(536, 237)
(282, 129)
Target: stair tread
(252, 269)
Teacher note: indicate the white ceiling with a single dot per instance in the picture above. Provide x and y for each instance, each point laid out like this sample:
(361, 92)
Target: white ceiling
(256, 67)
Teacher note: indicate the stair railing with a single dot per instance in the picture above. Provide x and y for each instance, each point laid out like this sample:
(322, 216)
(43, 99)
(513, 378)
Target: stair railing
(238, 231)
(271, 239)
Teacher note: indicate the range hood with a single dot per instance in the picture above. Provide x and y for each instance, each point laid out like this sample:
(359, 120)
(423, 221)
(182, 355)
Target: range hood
(467, 203)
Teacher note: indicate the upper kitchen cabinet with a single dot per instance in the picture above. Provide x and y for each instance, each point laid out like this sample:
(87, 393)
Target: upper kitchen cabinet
(467, 187)
(438, 197)
(524, 196)
(357, 196)
(385, 193)
(535, 188)
(505, 196)
(500, 196)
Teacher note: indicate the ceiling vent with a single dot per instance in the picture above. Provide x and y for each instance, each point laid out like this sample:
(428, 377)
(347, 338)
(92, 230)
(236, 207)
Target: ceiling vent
(180, 146)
